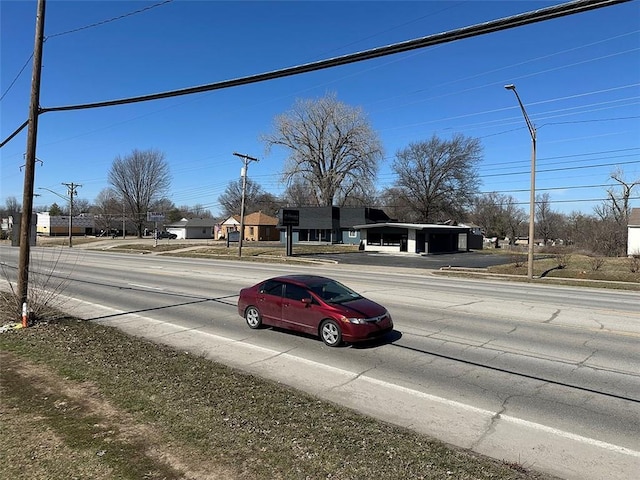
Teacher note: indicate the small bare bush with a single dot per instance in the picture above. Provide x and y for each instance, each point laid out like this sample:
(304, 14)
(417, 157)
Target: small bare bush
(517, 260)
(562, 259)
(633, 263)
(44, 290)
(596, 262)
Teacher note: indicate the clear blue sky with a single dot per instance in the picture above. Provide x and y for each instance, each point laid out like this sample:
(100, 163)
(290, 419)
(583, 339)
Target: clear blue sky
(578, 76)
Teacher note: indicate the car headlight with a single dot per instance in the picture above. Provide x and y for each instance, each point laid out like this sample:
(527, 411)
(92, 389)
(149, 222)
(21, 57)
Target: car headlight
(356, 321)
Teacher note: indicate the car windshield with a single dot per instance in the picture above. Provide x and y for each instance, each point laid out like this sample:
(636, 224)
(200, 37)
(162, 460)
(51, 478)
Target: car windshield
(334, 292)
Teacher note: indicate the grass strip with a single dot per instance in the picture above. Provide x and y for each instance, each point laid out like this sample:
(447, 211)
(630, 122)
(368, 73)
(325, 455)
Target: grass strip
(195, 417)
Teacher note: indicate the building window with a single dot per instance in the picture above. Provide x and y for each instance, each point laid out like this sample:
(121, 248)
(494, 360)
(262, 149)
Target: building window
(374, 238)
(353, 234)
(391, 239)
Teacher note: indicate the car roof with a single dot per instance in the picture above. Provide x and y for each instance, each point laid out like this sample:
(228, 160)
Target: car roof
(305, 280)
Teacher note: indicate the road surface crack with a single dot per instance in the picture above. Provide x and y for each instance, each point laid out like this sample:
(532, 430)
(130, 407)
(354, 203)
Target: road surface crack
(491, 427)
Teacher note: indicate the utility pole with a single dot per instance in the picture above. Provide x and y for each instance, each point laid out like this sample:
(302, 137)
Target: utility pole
(243, 173)
(71, 191)
(30, 166)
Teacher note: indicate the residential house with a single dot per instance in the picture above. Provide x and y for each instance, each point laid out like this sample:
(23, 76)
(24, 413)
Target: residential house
(633, 232)
(192, 228)
(231, 224)
(260, 227)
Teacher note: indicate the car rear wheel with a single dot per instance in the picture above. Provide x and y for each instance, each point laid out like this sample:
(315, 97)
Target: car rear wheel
(253, 317)
(330, 333)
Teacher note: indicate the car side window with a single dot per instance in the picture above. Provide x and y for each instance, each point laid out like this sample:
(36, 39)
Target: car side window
(295, 292)
(271, 287)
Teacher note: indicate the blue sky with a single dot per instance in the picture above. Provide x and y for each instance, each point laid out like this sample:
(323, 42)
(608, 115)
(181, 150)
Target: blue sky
(578, 76)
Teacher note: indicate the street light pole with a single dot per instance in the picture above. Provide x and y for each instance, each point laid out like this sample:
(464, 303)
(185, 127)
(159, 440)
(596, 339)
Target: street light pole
(532, 195)
(243, 173)
(72, 191)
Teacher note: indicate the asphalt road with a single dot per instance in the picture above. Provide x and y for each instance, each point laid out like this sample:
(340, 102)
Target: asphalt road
(548, 377)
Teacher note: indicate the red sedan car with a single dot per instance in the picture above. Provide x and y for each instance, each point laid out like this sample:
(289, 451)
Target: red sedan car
(315, 305)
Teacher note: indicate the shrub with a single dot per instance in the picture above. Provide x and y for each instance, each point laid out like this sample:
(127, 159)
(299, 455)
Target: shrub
(596, 262)
(562, 259)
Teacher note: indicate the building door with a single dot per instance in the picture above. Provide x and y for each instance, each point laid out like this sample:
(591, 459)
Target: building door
(403, 243)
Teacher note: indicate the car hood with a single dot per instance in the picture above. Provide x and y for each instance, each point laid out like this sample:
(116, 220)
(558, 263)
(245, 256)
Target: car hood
(362, 307)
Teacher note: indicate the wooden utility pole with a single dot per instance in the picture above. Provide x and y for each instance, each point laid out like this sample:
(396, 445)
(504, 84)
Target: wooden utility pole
(71, 191)
(30, 166)
(243, 173)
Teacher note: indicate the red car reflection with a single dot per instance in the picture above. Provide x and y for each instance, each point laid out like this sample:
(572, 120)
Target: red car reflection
(315, 305)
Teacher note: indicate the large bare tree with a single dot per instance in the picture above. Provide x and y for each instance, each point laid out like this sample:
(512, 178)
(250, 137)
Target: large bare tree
(140, 179)
(332, 149)
(437, 179)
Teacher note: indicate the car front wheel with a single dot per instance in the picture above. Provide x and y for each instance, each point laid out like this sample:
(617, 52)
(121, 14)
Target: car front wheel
(330, 333)
(253, 317)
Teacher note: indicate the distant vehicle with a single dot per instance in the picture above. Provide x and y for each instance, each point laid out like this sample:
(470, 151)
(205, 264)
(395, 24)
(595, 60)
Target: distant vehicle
(164, 234)
(316, 305)
(108, 233)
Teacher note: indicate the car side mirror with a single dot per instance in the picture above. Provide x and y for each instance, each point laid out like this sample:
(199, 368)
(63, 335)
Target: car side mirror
(307, 301)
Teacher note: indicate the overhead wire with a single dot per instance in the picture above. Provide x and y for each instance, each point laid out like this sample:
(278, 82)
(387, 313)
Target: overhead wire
(96, 24)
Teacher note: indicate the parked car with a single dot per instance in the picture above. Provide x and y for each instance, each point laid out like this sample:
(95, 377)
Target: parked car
(316, 305)
(166, 235)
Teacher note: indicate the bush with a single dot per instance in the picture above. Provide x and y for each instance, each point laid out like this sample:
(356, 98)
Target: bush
(562, 259)
(596, 262)
(634, 263)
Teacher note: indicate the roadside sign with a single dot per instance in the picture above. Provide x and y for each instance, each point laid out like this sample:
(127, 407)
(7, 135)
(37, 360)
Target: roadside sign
(155, 217)
(290, 217)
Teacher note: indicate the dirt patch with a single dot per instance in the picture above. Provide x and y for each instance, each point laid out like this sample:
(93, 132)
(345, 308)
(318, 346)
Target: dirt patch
(36, 446)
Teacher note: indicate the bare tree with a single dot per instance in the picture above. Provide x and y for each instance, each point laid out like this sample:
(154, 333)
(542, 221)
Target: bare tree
(498, 215)
(12, 206)
(107, 208)
(615, 211)
(81, 205)
(395, 208)
(298, 194)
(616, 205)
(437, 179)
(333, 149)
(139, 179)
(256, 199)
(549, 223)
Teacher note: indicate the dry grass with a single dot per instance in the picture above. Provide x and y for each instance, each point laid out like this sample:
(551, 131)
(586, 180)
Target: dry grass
(80, 400)
(574, 266)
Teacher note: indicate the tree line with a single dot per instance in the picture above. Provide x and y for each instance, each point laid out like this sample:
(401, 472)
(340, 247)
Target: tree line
(333, 156)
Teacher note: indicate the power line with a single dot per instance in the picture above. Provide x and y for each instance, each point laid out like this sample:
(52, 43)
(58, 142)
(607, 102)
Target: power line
(97, 24)
(114, 19)
(527, 18)
(562, 169)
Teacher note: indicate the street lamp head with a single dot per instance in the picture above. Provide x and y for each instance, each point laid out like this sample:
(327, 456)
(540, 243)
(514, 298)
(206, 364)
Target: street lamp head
(511, 86)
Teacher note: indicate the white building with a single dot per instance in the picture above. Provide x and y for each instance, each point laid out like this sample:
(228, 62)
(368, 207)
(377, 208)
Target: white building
(58, 225)
(633, 232)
